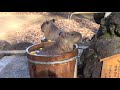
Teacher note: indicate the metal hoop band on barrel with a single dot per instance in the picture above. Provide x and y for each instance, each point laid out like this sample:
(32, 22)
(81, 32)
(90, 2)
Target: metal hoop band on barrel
(56, 62)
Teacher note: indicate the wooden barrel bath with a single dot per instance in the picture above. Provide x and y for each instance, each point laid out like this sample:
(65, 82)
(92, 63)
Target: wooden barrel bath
(57, 66)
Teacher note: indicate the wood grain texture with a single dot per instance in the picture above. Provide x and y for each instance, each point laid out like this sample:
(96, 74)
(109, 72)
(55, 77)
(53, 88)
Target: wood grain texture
(62, 70)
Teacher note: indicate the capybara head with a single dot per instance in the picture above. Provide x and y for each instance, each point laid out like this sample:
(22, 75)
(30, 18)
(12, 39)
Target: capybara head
(47, 25)
(72, 37)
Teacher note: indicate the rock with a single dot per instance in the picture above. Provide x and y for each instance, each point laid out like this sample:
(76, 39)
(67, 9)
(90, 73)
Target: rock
(4, 45)
(102, 47)
(92, 68)
(21, 46)
(98, 16)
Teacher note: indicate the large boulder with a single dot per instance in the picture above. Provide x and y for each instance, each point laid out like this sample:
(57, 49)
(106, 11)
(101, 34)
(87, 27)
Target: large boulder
(103, 46)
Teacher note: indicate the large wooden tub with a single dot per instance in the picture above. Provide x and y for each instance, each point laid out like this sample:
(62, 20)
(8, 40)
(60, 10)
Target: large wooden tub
(57, 66)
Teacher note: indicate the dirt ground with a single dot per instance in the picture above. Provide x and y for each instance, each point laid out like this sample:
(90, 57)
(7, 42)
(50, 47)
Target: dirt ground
(14, 22)
(25, 26)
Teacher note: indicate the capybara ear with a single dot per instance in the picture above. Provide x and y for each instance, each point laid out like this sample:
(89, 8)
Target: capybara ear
(53, 20)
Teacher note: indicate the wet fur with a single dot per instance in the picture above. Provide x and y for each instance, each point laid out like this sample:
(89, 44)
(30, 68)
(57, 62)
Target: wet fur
(65, 43)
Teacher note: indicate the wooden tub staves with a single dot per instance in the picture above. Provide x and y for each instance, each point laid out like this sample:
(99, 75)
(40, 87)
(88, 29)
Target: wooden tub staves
(57, 66)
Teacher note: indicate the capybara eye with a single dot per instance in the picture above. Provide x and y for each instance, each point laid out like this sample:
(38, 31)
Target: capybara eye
(53, 20)
(47, 22)
(60, 33)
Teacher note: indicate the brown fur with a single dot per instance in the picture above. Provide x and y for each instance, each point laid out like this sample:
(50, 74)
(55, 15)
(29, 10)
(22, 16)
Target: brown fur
(50, 30)
(64, 44)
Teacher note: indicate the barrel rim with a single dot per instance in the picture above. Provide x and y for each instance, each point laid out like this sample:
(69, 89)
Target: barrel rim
(53, 62)
(27, 50)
